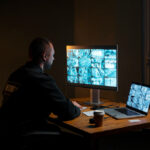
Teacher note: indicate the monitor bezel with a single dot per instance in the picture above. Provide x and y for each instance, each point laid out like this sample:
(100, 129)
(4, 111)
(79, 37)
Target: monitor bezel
(92, 47)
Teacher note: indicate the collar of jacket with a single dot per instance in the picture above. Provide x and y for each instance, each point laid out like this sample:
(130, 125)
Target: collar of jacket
(34, 66)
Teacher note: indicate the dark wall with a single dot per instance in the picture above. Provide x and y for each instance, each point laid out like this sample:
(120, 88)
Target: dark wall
(129, 37)
(23, 20)
(110, 22)
(72, 22)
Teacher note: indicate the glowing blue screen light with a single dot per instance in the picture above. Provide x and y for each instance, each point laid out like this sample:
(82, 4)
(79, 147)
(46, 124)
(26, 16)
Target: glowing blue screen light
(92, 66)
(139, 97)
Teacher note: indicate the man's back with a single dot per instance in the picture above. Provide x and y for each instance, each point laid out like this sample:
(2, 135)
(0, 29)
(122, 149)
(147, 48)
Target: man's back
(34, 97)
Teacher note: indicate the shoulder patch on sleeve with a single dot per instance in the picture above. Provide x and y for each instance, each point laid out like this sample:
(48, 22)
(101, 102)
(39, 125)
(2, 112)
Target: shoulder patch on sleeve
(10, 88)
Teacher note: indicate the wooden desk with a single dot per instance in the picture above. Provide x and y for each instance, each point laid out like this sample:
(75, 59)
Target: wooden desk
(110, 126)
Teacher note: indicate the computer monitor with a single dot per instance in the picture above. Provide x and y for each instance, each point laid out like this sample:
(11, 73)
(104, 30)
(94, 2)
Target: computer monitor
(94, 67)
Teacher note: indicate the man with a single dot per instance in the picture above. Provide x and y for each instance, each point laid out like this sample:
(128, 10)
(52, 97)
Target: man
(31, 95)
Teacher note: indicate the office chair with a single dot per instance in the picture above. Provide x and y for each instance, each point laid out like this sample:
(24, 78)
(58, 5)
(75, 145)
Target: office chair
(32, 140)
(40, 140)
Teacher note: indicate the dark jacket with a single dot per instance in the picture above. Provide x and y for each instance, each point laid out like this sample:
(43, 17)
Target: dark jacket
(30, 96)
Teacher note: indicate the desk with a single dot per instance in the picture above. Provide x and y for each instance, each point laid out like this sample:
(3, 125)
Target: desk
(110, 126)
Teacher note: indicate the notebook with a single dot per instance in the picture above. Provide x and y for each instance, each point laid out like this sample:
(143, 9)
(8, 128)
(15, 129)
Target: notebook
(137, 104)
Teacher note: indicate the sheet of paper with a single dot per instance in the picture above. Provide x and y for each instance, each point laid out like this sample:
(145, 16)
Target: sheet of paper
(83, 108)
(135, 120)
(88, 113)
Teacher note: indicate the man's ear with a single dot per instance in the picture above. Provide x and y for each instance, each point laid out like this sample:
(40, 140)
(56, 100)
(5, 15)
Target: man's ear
(44, 57)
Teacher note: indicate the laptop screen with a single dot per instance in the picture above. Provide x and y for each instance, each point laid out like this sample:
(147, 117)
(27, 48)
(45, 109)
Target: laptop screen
(139, 97)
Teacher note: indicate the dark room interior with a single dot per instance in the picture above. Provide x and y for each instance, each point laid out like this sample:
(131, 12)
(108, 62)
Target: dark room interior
(77, 22)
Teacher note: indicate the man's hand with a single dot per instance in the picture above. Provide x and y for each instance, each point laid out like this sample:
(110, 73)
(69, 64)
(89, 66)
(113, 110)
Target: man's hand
(77, 104)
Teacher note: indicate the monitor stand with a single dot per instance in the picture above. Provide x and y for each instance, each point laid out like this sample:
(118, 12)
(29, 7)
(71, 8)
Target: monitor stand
(95, 99)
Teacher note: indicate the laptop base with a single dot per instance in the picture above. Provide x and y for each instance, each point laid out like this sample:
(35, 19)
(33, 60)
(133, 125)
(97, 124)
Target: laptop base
(118, 115)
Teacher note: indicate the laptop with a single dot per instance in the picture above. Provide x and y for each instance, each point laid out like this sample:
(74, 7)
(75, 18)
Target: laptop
(137, 104)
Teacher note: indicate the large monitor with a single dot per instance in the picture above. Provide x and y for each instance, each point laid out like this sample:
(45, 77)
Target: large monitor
(94, 67)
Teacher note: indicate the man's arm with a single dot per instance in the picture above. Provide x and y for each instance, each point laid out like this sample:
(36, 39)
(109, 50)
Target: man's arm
(58, 103)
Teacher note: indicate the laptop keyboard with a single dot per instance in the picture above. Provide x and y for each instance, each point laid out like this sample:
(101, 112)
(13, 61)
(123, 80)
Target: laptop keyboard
(127, 111)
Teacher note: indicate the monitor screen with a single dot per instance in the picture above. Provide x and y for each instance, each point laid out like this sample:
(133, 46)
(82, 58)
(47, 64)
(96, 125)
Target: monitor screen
(92, 66)
(139, 97)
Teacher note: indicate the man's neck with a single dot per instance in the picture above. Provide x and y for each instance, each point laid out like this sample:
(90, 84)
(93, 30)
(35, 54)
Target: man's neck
(41, 66)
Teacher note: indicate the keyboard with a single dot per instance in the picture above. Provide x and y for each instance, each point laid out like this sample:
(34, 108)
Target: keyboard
(127, 111)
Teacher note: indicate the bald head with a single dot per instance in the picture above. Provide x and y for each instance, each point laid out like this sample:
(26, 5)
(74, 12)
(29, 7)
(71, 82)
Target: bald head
(41, 50)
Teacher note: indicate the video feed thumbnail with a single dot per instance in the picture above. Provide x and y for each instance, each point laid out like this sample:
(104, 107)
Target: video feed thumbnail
(92, 66)
(139, 97)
